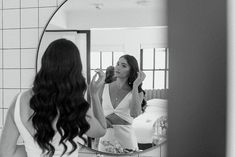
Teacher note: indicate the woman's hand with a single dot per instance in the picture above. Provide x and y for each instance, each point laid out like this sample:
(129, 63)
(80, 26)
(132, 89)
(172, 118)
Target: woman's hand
(140, 78)
(96, 85)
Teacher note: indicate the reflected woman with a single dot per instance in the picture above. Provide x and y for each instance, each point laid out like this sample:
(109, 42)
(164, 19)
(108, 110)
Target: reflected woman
(121, 102)
(54, 116)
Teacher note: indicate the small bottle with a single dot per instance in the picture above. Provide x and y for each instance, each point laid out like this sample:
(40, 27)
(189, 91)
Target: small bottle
(160, 130)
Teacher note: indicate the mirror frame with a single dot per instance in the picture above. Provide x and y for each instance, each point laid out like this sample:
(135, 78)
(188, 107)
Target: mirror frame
(88, 68)
(127, 154)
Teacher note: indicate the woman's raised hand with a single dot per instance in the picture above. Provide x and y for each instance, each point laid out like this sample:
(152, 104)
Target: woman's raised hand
(140, 78)
(96, 84)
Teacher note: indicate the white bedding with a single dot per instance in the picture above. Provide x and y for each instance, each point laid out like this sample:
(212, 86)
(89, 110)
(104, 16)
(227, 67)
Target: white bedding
(143, 124)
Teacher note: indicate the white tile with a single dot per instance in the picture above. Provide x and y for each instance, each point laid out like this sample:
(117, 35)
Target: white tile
(40, 31)
(27, 77)
(1, 56)
(24, 89)
(1, 101)
(8, 96)
(11, 38)
(44, 3)
(45, 14)
(11, 59)
(29, 38)
(1, 4)
(28, 58)
(0, 19)
(1, 84)
(11, 4)
(29, 17)
(11, 18)
(0, 39)
(29, 3)
(11, 78)
(1, 118)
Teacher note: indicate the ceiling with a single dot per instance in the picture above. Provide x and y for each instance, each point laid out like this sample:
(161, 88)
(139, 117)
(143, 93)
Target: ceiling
(87, 14)
(90, 5)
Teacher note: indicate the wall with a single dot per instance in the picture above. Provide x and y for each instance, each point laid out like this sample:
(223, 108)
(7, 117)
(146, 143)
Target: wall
(128, 40)
(198, 75)
(22, 23)
(126, 18)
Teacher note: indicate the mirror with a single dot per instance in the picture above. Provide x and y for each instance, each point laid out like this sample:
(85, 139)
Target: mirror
(104, 30)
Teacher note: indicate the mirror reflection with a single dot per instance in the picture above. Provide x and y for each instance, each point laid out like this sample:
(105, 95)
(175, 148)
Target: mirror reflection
(120, 35)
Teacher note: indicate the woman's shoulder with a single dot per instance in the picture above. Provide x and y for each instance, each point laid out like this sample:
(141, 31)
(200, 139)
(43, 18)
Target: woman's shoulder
(25, 101)
(26, 95)
(25, 110)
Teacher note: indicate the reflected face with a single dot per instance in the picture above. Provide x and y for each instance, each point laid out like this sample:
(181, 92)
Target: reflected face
(122, 69)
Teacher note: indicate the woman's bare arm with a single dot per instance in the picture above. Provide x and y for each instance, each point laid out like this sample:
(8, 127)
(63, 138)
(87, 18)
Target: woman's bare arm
(96, 129)
(135, 105)
(9, 137)
(137, 98)
(95, 114)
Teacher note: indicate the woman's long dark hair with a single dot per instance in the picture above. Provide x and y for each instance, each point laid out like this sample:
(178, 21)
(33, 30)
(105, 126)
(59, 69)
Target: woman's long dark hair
(134, 68)
(58, 91)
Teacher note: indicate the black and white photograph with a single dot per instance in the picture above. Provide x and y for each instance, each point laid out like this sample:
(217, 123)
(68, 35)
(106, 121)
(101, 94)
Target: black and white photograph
(110, 78)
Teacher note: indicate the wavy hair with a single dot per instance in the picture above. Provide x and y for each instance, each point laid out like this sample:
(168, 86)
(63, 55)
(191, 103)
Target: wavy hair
(58, 92)
(134, 68)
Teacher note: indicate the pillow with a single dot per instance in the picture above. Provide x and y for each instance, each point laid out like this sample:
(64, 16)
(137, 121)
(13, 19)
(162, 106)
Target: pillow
(156, 105)
(161, 102)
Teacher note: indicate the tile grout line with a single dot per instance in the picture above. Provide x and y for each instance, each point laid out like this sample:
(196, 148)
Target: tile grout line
(2, 122)
(30, 7)
(20, 44)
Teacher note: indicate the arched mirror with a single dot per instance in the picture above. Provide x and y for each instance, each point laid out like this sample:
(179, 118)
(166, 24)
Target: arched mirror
(104, 30)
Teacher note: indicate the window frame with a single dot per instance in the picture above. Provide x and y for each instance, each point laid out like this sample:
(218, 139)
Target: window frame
(153, 69)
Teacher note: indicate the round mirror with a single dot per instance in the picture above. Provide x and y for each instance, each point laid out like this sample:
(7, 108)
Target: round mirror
(104, 30)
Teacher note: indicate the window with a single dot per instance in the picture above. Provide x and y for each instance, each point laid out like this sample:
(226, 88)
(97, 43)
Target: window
(103, 59)
(154, 62)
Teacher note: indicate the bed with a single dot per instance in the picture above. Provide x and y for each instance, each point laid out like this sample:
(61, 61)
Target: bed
(145, 125)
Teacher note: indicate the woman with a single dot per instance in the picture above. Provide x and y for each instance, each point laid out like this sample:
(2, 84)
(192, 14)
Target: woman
(53, 116)
(121, 102)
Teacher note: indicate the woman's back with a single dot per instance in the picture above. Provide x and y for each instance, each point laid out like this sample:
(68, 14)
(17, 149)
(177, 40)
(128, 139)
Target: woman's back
(24, 124)
(53, 116)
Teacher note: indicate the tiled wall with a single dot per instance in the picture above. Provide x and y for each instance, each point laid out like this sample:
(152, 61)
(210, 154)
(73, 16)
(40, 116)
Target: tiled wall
(21, 25)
